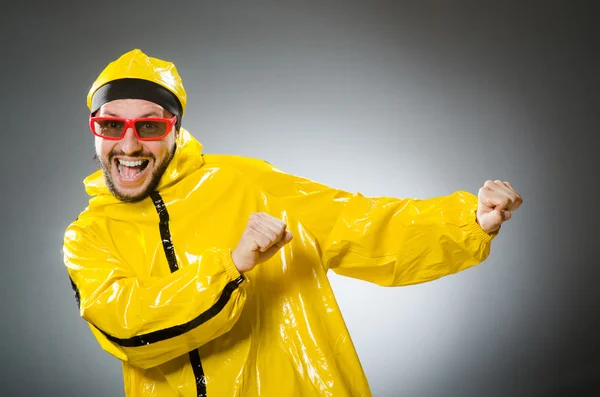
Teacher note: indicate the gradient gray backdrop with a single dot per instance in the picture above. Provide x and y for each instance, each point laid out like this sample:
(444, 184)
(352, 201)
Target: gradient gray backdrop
(408, 99)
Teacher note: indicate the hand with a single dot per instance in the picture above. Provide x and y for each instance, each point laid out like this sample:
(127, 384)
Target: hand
(497, 200)
(263, 237)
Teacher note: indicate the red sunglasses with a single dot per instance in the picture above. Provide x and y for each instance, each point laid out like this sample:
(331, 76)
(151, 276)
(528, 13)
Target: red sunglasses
(145, 129)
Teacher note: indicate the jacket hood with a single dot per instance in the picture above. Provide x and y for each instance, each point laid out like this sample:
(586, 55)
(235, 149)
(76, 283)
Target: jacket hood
(187, 159)
(137, 65)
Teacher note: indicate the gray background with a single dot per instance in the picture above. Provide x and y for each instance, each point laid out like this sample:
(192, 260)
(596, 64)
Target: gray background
(407, 99)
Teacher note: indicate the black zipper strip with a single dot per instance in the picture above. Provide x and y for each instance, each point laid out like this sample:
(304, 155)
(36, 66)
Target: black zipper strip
(198, 373)
(167, 241)
(165, 233)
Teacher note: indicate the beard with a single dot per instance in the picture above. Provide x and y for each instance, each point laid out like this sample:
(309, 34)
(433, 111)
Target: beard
(155, 174)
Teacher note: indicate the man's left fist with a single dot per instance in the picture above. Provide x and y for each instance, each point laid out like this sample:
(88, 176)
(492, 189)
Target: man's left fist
(496, 201)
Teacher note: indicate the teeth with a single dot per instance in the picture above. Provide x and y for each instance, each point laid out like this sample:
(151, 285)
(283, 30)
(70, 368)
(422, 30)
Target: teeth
(120, 169)
(130, 163)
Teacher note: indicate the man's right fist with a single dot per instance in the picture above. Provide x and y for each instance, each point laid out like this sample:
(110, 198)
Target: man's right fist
(263, 237)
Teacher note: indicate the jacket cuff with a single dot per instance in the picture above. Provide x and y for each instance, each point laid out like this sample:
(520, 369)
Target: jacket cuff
(230, 267)
(476, 231)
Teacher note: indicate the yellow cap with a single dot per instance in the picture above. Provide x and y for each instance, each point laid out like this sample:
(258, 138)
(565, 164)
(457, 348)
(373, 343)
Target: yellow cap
(137, 65)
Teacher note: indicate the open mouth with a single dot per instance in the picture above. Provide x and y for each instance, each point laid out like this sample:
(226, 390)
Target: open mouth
(130, 170)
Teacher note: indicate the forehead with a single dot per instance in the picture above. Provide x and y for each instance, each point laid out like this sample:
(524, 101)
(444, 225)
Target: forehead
(131, 108)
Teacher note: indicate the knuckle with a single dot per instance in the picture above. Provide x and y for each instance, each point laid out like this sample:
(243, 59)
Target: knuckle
(488, 183)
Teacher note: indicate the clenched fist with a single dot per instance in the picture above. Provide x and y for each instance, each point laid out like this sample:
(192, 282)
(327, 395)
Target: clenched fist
(263, 237)
(497, 199)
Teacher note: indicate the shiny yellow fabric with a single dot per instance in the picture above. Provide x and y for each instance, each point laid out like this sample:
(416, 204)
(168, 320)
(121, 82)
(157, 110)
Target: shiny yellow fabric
(137, 65)
(281, 332)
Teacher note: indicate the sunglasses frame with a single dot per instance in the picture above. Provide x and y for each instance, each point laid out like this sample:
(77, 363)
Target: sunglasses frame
(130, 123)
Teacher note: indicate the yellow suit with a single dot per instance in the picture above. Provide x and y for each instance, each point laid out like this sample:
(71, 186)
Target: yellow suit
(157, 285)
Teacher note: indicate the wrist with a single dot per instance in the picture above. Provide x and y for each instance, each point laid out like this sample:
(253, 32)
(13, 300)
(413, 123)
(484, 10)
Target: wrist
(238, 262)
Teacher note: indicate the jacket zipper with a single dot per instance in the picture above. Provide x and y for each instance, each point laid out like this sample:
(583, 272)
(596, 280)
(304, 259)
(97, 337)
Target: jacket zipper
(167, 241)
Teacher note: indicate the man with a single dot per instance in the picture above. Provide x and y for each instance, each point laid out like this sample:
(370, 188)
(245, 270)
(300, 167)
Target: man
(207, 274)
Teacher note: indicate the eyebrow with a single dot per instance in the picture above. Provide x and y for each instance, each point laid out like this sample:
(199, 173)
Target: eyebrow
(150, 114)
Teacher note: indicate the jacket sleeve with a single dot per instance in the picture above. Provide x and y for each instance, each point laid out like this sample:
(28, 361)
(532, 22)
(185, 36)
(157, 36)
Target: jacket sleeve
(384, 240)
(147, 321)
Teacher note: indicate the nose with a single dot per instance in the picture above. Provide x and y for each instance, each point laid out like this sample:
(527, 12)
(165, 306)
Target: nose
(130, 144)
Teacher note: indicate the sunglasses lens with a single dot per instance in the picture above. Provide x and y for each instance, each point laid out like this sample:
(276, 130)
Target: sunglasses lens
(109, 128)
(151, 128)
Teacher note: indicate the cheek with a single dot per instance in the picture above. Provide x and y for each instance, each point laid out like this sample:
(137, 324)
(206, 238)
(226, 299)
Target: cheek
(160, 149)
(103, 147)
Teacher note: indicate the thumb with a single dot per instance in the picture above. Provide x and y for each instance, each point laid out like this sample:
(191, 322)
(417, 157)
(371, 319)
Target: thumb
(491, 221)
(287, 237)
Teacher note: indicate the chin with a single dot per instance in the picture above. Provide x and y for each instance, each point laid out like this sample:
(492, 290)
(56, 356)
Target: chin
(132, 196)
(127, 193)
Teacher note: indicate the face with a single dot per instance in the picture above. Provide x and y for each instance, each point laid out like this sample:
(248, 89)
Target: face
(133, 168)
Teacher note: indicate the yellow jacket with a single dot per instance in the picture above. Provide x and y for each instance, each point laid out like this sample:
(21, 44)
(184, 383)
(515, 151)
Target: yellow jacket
(156, 283)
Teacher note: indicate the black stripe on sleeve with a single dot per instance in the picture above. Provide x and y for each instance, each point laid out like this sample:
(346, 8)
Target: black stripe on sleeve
(177, 330)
